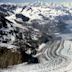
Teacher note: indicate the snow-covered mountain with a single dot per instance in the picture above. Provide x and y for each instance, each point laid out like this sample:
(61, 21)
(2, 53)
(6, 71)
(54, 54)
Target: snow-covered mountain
(7, 9)
(43, 32)
(50, 19)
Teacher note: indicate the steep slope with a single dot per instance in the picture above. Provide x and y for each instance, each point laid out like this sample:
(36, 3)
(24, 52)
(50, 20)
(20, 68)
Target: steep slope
(23, 40)
(42, 34)
(51, 18)
(7, 9)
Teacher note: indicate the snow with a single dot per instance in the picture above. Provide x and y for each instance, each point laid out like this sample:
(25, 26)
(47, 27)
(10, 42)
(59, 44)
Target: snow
(12, 18)
(55, 56)
(41, 46)
(18, 10)
(49, 66)
(28, 51)
(9, 46)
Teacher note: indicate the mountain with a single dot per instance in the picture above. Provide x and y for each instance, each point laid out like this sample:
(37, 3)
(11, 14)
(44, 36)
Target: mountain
(7, 9)
(36, 36)
(20, 39)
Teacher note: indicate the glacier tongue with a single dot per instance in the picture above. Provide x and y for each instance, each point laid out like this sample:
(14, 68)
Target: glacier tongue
(56, 56)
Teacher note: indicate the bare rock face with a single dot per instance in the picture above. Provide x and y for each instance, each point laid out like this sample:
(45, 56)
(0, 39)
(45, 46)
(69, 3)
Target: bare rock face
(8, 58)
(6, 30)
(7, 9)
(24, 18)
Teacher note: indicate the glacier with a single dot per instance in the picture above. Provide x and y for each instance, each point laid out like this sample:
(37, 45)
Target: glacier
(42, 31)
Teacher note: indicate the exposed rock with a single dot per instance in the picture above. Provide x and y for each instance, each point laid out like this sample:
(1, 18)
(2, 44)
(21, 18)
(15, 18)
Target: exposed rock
(24, 18)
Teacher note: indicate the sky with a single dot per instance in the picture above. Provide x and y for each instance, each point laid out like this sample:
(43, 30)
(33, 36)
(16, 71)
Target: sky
(21, 1)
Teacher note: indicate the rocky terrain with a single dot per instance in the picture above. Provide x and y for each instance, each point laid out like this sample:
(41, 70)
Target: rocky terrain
(35, 38)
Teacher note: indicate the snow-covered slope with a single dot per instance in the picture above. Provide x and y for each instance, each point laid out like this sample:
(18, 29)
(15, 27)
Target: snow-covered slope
(42, 30)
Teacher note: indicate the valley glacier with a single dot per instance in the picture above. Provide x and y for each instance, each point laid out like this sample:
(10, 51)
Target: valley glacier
(42, 31)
